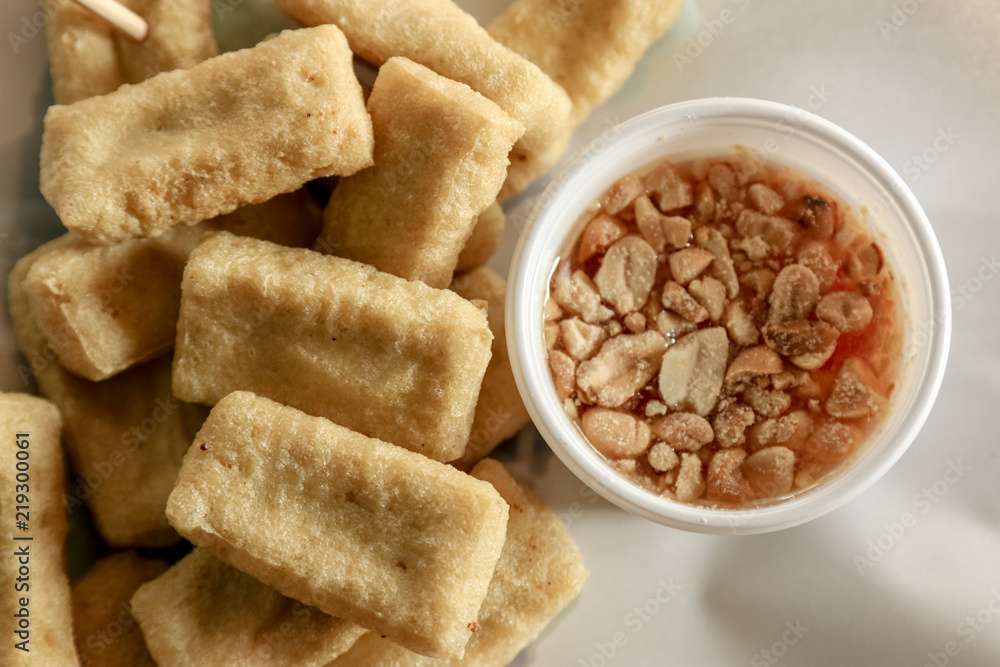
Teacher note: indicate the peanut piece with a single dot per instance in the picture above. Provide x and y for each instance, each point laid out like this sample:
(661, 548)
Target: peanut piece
(726, 481)
(581, 339)
(684, 431)
(678, 300)
(662, 457)
(615, 434)
(690, 481)
(687, 264)
(563, 372)
(795, 294)
(848, 312)
(770, 471)
(626, 274)
(624, 365)
(692, 370)
(598, 235)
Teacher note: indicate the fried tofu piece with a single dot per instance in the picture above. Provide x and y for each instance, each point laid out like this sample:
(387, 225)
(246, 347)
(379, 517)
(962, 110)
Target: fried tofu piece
(440, 158)
(88, 57)
(191, 144)
(125, 436)
(441, 36)
(116, 306)
(34, 610)
(106, 631)
(589, 48)
(203, 612)
(500, 412)
(388, 539)
(390, 358)
(487, 233)
(539, 573)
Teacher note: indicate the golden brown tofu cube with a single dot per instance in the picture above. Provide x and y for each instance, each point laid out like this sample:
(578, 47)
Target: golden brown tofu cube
(589, 48)
(500, 413)
(191, 144)
(35, 614)
(106, 631)
(383, 537)
(441, 36)
(487, 233)
(440, 158)
(203, 612)
(389, 358)
(116, 306)
(125, 436)
(88, 57)
(539, 573)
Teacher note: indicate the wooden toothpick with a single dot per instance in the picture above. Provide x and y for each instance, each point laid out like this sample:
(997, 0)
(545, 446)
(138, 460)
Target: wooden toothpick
(120, 16)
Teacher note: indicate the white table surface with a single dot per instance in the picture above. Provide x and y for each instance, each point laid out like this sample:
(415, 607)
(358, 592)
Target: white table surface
(918, 80)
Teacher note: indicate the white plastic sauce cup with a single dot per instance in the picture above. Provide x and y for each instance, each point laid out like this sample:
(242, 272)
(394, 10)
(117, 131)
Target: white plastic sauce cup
(816, 148)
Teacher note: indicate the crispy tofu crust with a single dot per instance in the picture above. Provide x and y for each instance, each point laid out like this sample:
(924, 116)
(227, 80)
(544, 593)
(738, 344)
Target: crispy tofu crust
(88, 57)
(125, 436)
(204, 613)
(539, 573)
(386, 538)
(106, 631)
(35, 607)
(440, 158)
(589, 48)
(116, 306)
(500, 412)
(191, 144)
(393, 359)
(439, 35)
(487, 233)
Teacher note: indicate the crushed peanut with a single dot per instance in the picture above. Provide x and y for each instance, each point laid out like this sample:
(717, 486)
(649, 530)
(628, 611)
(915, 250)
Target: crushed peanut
(723, 330)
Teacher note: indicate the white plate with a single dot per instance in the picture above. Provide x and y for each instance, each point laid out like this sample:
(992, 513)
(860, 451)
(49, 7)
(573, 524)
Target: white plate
(920, 82)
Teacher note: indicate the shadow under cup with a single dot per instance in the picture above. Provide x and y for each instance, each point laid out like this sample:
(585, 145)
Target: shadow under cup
(817, 149)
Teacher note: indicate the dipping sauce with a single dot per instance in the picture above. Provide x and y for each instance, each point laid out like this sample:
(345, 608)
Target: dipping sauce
(723, 330)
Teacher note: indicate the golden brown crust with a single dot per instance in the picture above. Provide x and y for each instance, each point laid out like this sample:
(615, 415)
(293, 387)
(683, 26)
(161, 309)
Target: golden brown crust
(116, 306)
(386, 538)
(390, 358)
(204, 613)
(540, 571)
(106, 632)
(487, 233)
(589, 48)
(125, 436)
(440, 158)
(500, 412)
(191, 144)
(89, 58)
(441, 36)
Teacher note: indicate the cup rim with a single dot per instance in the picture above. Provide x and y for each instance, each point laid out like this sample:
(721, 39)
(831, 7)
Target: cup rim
(563, 436)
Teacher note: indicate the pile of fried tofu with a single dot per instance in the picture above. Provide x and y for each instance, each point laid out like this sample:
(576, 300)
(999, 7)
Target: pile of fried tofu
(269, 331)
